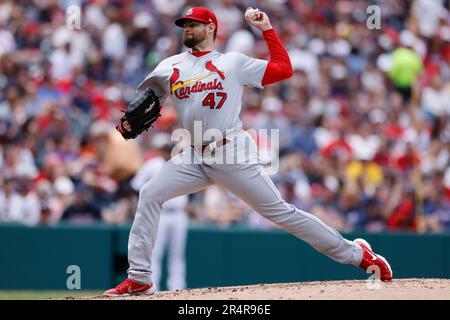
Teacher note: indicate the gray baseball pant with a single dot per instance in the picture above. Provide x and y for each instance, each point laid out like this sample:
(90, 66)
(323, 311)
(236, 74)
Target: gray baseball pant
(246, 180)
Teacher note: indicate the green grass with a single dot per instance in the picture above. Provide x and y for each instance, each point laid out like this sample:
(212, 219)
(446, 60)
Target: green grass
(42, 295)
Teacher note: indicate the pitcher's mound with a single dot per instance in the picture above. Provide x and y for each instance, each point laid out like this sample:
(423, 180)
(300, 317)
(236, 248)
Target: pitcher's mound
(356, 289)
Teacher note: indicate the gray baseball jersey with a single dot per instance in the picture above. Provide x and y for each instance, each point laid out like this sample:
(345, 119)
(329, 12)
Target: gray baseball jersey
(207, 88)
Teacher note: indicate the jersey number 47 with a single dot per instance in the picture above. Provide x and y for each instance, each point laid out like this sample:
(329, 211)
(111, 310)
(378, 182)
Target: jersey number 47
(210, 100)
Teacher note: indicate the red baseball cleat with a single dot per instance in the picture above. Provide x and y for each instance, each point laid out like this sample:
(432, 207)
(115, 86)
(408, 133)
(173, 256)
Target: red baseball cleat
(372, 259)
(130, 287)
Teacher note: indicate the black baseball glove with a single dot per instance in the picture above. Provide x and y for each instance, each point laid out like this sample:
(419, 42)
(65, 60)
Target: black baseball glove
(141, 113)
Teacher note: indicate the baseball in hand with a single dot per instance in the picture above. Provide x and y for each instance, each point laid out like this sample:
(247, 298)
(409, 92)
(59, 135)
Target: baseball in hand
(257, 19)
(252, 13)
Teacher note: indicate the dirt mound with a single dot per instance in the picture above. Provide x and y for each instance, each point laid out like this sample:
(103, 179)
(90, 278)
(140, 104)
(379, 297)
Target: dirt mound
(409, 289)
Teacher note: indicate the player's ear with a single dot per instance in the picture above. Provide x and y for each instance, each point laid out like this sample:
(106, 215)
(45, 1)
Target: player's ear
(211, 28)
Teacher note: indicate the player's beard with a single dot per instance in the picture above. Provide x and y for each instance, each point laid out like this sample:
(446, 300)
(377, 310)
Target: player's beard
(194, 40)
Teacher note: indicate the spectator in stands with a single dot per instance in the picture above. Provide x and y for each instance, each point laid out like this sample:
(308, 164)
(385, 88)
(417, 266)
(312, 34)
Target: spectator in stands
(345, 130)
(18, 203)
(406, 65)
(84, 209)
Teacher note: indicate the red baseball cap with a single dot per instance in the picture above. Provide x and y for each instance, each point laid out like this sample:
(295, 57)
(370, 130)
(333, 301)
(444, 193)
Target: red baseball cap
(201, 14)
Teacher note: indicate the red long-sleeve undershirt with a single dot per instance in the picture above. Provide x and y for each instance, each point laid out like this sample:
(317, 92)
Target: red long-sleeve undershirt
(279, 66)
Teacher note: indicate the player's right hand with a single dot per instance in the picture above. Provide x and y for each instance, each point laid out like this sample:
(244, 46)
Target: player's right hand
(257, 19)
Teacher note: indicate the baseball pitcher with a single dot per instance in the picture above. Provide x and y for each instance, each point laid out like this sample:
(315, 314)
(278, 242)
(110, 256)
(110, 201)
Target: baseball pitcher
(206, 87)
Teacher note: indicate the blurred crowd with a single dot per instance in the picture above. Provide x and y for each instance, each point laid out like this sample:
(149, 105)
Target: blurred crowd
(364, 121)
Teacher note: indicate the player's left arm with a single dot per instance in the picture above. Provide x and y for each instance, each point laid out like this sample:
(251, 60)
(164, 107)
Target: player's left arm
(279, 66)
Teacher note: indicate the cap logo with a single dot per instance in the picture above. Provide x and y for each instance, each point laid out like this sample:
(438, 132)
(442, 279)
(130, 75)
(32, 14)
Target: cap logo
(189, 12)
